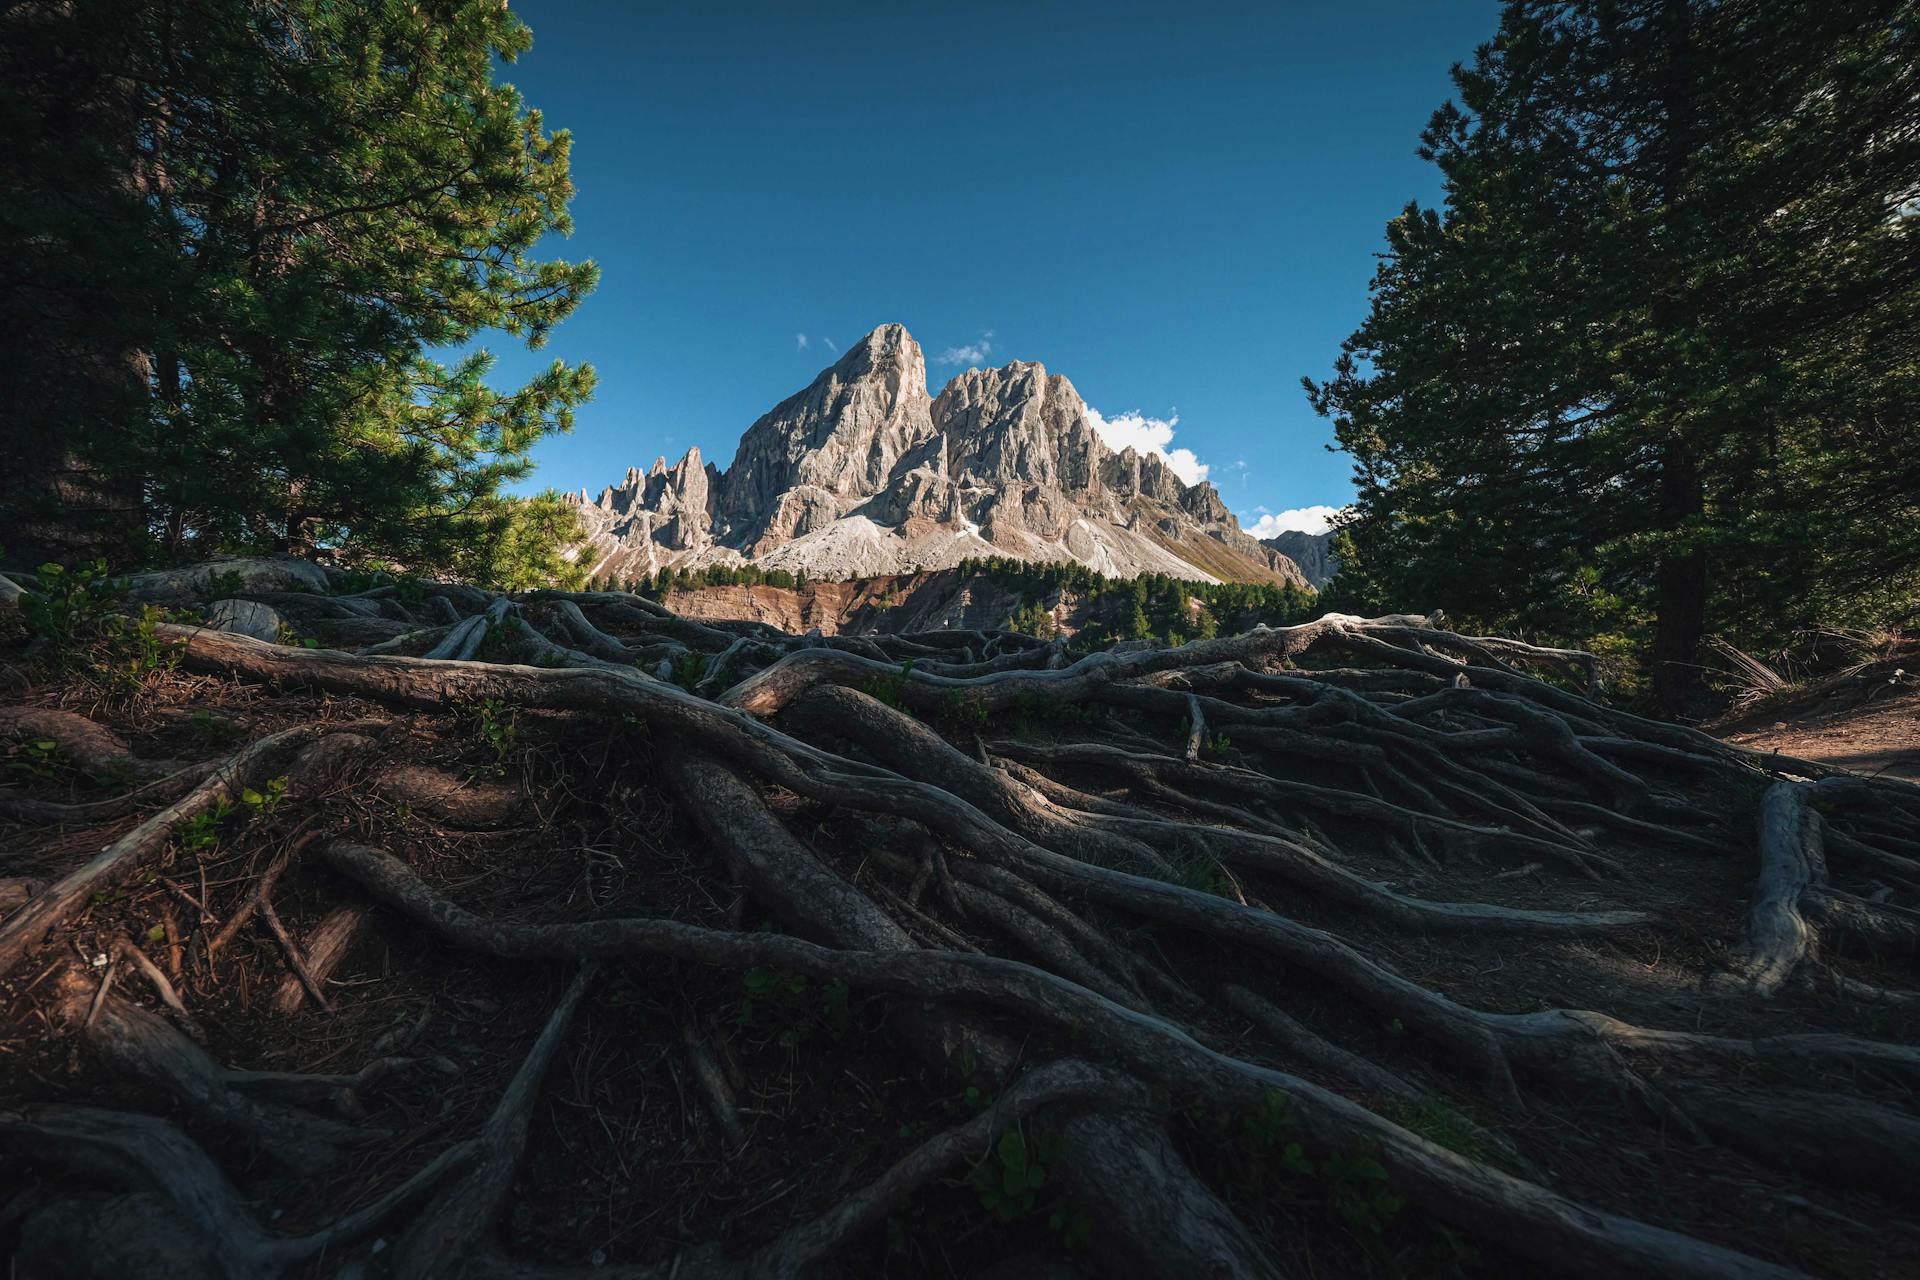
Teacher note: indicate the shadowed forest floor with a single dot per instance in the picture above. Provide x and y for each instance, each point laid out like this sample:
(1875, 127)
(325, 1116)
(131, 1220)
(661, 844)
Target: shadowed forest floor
(1271, 955)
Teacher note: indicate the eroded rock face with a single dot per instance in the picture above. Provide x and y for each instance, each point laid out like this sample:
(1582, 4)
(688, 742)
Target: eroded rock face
(863, 474)
(840, 437)
(658, 518)
(1313, 552)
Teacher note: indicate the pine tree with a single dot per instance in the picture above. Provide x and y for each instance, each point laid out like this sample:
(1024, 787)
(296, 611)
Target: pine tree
(310, 199)
(1655, 332)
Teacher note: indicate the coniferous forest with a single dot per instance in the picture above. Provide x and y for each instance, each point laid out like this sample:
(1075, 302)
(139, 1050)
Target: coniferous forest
(1651, 371)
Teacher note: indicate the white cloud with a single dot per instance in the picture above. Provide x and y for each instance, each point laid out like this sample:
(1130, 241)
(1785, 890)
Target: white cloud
(799, 342)
(831, 345)
(1305, 519)
(1134, 430)
(974, 353)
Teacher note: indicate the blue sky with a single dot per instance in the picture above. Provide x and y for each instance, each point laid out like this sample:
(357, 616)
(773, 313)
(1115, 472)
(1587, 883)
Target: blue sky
(1175, 206)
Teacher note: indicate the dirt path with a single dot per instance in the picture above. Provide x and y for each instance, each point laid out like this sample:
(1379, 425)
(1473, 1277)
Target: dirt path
(1874, 732)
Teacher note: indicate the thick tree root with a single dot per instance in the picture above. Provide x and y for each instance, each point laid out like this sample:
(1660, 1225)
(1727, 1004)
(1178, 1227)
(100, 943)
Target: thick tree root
(1532, 1221)
(1286, 904)
(130, 855)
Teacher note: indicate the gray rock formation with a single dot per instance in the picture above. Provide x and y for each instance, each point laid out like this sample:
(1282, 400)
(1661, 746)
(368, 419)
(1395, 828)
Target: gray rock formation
(266, 573)
(663, 517)
(246, 618)
(1311, 551)
(819, 453)
(863, 474)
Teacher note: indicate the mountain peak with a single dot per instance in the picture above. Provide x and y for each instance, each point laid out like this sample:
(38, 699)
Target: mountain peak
(863, 473)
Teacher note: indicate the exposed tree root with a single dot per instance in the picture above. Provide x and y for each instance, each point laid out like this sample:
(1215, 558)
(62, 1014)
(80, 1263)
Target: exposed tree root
(1533, 1222)
(94, 750)
(324, 949)
(128, 856)
(1273, 932)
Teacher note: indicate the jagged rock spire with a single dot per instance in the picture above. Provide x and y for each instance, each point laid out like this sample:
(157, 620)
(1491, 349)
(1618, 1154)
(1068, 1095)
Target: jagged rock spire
(862, 472)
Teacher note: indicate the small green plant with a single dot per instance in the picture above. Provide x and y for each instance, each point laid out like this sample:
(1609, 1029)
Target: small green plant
(1443, 1124)
(71, 605)
(766, 987)
(1360, 1190)
(1009, 1181)
(79, 618)
(1356, 1183)
(968, 710)
(891, 689)
(976, 1097)
(689, 668)
(1219, 747)
(294, 640)
(268, 798)
(38, 758)
(499, 726)
(500, 637)
(1073, 1227)
(224, 583)
(1033, 717)
(137, 649)
(362, 578)
(1205, 874)
(1268, 1129)
(201, 833)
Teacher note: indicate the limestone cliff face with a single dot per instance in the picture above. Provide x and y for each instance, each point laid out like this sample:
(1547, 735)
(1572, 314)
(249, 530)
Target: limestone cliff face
(661, 517)
(863, 474)
(829, 448)
(1311, 551)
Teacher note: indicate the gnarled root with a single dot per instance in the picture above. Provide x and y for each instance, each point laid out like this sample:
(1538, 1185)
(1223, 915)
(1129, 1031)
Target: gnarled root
(1271, 933)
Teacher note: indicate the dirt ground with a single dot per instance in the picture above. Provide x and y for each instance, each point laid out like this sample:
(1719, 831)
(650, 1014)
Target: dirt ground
(1871, 729)
(628, 1158)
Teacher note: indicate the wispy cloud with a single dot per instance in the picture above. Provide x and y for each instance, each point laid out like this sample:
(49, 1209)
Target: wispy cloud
(799, 342)
(1316, 519)
(831, 344)
(1134, 430)
(975, 352)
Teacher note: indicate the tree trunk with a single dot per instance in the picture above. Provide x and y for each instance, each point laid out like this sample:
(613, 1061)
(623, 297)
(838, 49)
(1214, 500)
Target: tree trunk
(73, 380)
(1680, 585)
(1680, 579)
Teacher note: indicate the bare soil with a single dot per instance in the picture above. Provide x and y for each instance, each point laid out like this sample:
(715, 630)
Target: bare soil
(1871, 728)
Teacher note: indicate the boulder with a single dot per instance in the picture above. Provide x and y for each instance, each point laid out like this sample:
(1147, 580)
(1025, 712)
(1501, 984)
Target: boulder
(196, 582)
(246, 618)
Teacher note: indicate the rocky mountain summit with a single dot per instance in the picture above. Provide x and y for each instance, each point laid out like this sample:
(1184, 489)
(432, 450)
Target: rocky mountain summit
(864, 473)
